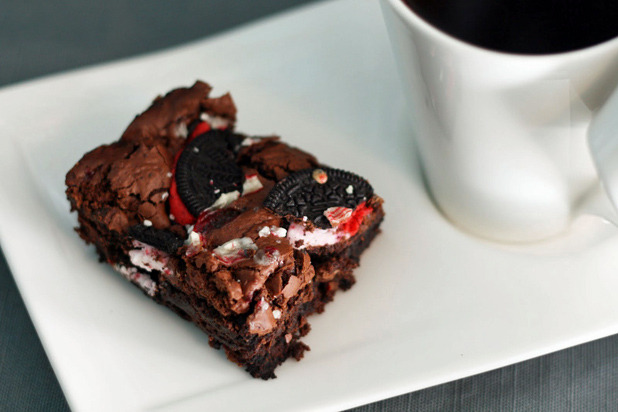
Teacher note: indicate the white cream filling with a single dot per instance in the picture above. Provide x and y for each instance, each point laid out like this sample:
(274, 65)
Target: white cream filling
(315, 237)
(148, 257)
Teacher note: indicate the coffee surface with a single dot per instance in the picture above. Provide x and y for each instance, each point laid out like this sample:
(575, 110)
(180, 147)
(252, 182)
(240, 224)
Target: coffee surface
(523, 26)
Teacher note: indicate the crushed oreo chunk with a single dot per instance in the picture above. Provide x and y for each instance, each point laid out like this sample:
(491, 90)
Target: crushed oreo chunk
(162, 239)
(207, 168)
(311, 192)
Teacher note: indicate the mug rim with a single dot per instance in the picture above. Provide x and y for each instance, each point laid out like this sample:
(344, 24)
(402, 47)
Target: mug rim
(412, 18)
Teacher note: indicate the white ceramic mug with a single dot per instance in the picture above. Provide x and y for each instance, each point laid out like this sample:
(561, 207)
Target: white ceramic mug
(502, 137)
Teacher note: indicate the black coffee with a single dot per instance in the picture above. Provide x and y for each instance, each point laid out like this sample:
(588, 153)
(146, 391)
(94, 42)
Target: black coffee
(523, 26)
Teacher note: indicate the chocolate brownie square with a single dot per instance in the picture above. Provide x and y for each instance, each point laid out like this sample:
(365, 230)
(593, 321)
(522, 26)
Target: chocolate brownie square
(244, 236)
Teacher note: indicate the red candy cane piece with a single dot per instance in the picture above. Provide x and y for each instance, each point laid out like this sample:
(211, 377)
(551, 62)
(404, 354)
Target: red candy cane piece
(352, 225)
(177, 207)
(337, 215)
(201, 128)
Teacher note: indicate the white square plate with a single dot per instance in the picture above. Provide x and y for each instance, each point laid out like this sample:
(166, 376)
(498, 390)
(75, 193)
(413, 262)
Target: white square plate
(431, 303)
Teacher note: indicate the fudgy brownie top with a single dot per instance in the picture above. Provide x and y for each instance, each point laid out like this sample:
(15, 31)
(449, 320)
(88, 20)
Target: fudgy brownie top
(127, 182)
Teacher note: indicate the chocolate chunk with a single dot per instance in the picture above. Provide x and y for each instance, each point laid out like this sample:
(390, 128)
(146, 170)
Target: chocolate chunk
(160, 238)
(206, 169)
(311, 192)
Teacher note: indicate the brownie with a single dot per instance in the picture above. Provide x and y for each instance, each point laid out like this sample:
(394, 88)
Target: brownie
(244, 236)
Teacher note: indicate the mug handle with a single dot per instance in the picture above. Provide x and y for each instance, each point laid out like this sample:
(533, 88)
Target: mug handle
(603, 144)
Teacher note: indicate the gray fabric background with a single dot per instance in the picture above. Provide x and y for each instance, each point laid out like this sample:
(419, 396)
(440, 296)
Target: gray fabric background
(39, 37)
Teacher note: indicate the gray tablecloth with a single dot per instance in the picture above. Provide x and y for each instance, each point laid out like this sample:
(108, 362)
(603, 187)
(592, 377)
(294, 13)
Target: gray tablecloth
(40, 37)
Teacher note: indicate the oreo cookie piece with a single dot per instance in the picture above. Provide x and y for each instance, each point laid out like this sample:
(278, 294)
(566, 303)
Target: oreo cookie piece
(233, 140)
(162, 239)
(311, 192)
(206, 169)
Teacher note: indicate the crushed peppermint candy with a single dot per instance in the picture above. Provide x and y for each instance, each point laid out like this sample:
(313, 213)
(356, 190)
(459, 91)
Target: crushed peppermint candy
(149, 258)
(278, 231)
(261, 321)
(194, 243)
(276, 314)
(267, 257)
(194, 239)
(349, 190)
(320, 176)
(217, 122)
(252, 184)
(338, 215)
(181, 130)
(142, 280)
(273, 230)
(235, 250)
(225, 199)
(248, 141)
